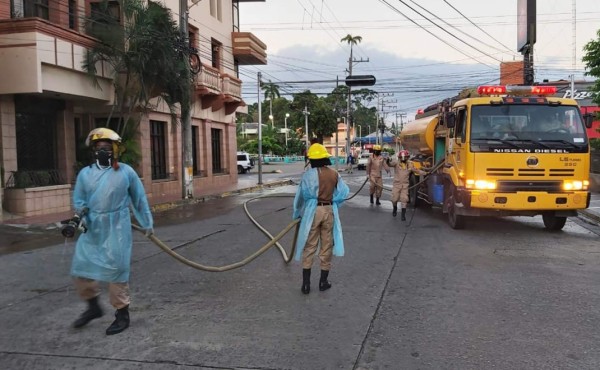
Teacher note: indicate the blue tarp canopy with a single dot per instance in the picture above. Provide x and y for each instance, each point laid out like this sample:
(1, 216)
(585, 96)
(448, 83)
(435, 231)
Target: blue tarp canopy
(388, 138)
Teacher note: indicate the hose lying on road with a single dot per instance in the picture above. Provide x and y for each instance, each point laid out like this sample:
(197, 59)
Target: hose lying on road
(274, 240)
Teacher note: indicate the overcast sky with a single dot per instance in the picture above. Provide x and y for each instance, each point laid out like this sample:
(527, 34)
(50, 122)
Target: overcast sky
(411, 57)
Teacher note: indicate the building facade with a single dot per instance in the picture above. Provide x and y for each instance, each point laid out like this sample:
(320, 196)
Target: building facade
(48, 103)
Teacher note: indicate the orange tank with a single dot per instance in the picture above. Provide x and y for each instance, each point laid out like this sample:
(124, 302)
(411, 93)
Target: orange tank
(418, 136)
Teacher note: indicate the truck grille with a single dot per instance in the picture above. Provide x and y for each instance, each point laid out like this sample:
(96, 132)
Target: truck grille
(512, 186)
(530, 172)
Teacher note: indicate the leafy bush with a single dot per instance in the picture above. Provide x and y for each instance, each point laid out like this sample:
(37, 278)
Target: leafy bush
(595, 144)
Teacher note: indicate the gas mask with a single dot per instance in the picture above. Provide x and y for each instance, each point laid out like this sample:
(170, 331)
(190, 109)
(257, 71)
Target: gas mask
(104, 157)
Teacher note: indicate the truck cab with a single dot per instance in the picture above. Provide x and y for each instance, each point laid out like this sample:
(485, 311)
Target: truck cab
(510, 152)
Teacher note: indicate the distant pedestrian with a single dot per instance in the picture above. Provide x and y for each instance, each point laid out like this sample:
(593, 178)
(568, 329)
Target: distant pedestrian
(349, 161)
(320, 193)
(402, 170)
(104, 193)
(375, 165)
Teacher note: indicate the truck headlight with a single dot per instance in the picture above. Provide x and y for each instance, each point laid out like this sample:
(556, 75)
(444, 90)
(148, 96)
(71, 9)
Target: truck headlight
(480, 184)
(575, 185)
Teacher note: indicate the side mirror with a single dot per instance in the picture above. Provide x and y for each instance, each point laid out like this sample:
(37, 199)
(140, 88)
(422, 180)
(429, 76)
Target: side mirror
(450, 119)
(588, 119)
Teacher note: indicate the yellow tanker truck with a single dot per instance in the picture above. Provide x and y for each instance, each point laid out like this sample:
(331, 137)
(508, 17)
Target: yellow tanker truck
(509, 151)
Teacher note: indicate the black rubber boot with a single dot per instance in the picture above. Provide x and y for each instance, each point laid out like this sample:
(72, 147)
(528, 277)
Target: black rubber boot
(93, 312)
(371, 198)
(377, 202)
(323, 283)
(395, 211)
(403, 215)
(305, 281)
(121, 321)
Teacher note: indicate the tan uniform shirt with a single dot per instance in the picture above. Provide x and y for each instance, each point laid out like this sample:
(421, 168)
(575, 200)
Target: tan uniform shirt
(401, 172)
(375, 165)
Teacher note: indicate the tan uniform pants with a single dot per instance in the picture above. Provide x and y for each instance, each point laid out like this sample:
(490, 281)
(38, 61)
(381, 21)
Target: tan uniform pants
(376, 186)
(322, 228)
(400, 193)
(118, 292)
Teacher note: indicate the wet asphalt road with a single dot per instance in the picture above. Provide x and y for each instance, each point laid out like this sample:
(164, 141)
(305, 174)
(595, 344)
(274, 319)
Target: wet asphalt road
(502, 294)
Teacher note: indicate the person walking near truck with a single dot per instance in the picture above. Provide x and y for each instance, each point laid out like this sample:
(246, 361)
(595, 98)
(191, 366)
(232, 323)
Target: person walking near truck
(374, 166)
(402, 171)
(349, 161)
(320, 193)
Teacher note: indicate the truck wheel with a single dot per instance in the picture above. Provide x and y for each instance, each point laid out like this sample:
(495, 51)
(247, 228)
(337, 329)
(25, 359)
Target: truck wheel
(456, 222)
(552, 222)
(240, 169)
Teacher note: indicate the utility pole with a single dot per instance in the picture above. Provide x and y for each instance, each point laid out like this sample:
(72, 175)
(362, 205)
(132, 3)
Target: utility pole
(259, 83)
(351, 61)
(306, 114)
(186, 112)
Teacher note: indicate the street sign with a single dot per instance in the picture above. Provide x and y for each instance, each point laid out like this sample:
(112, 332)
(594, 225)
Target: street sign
(360, 80)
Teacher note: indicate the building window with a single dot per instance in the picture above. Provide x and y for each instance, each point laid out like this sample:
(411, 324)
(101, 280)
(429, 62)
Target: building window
(216, 9)
(73, 14)
(104, 16)
(35, 121)
(158, 150)
(216, 54)
(29, 8)
(235, 15)
(215, 138)
(193, 36)
(195, 157)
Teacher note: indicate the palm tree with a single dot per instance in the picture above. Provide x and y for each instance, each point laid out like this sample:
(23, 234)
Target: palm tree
(271, 92)
(351, 40)
(144, 65)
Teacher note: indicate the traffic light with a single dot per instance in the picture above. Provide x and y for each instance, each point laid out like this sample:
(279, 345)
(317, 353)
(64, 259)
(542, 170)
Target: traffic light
(360, 80)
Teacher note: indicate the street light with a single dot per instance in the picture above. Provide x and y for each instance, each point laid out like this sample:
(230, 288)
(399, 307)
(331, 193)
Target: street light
(271, 118)
(287, 115)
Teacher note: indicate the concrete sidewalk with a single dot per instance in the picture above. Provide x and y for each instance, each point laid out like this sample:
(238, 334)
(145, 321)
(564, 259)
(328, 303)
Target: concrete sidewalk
(273, 176)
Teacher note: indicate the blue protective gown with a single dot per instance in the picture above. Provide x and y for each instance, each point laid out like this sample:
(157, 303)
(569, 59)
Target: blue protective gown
(104, 252)
(305, 205)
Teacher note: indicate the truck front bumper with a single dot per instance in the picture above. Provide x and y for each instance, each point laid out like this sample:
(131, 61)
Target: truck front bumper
(526, 201)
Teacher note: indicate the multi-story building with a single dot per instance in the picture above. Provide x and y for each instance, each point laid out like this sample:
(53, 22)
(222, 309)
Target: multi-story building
(48, 103)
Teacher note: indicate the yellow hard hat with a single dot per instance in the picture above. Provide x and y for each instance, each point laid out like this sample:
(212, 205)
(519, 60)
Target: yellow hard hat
(317, 151)
(376, 147)
(102, 133)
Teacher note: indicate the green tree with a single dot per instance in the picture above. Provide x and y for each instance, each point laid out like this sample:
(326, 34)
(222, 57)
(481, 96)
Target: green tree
(592, 64)
(141, 54)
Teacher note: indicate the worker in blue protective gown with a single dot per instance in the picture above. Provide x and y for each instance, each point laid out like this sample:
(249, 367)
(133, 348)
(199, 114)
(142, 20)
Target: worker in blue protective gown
(320, 193)
(104, 193)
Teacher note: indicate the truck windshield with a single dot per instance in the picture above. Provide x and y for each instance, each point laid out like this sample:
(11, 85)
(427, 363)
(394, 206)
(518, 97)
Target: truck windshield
(528, 126)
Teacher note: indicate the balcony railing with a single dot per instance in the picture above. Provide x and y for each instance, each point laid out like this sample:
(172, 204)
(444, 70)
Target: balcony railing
(232, 88)
(208, 81)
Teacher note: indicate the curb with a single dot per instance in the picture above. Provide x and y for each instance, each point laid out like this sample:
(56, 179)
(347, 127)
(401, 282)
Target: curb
(167, 206)
(590, 216)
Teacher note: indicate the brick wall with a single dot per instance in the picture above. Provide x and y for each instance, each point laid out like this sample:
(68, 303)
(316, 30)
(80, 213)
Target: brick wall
(4, 9)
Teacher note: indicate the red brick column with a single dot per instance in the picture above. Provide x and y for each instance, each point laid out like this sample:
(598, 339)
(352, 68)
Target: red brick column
(4, 9)
(59, 12)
